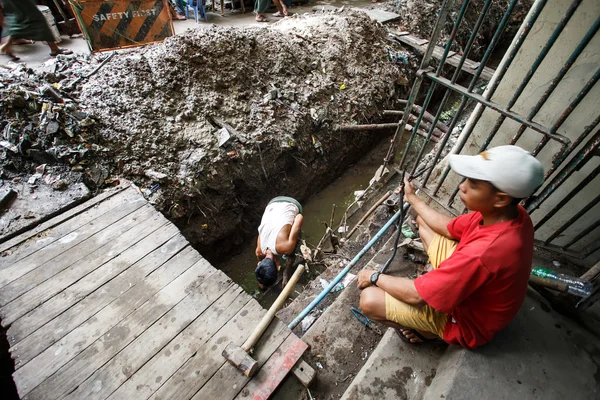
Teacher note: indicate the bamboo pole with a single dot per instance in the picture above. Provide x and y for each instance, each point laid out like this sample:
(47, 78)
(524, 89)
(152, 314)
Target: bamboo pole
(381, 200)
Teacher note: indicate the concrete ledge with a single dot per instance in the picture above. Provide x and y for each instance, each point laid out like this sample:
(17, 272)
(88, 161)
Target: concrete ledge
(540, 355)
(396, 370)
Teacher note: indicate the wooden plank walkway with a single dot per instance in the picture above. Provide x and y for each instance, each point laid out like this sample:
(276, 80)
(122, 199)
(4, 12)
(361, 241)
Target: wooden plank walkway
(109, 301)
(453, 58)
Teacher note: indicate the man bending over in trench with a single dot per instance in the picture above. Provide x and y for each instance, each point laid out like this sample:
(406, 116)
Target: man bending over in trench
(277, 235)
(481, 260)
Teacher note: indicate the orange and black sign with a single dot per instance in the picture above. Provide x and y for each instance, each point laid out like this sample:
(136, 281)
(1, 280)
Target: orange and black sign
(117, 24)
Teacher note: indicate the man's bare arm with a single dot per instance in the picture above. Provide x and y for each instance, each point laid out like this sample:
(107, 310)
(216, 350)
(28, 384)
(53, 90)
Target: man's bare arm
(399, 288)
(259, 254)
(289, 244)
(436, 220)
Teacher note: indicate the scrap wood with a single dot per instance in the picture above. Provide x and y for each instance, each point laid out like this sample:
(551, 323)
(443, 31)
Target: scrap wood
(549, 283)
(369, 212)
(383, 127)
(439, 130)
(272, 373)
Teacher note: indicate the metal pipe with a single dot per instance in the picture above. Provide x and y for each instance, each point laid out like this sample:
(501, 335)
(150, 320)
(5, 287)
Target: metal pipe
(343, 272)
(576, 163)
(438, 71)
(561, 74)
(439, 25)
(580, 96)
(501, 109)
(455, 76)
(530, 20)
(559, 158)
(568, 197)
(582, 234)
(572, 220)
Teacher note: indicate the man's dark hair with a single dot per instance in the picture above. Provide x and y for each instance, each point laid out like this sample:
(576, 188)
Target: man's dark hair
(266, 272)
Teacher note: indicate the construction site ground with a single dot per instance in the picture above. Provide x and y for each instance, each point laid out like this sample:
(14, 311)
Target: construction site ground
(37, 53)
(542, 354)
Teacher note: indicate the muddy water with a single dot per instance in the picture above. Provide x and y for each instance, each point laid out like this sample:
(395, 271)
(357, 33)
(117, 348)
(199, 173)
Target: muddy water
(317, 213)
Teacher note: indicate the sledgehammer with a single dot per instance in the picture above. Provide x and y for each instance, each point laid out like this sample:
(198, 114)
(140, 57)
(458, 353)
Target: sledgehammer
(238, 356)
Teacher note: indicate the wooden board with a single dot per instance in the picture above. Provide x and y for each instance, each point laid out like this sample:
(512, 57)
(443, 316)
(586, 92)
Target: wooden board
(453, 58)
(110, 301)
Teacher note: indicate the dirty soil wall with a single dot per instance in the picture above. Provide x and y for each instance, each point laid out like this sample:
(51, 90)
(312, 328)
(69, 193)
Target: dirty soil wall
(212, 123)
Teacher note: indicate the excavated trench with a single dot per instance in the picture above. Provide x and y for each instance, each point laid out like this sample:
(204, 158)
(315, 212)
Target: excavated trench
(212, 124)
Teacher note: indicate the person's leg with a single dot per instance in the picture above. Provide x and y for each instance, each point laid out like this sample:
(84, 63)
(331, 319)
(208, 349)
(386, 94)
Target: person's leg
(373, 305)
(281, 9)
(260, 6)
(379, 306)
(425, 233)
(6, 49)
(55, 50)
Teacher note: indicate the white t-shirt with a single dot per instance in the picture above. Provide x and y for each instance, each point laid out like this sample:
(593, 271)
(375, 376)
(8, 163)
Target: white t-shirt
(276, 216)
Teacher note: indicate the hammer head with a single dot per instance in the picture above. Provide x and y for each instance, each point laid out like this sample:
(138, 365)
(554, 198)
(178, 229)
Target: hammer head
(240, 359)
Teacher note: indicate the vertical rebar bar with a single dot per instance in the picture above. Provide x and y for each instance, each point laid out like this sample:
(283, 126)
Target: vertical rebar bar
(572, 220)
(576, 163)
(524, 32)
(568, 197)
(449, 42)
(455, 76)
(580, 96)
(439, 25)
(558, 78)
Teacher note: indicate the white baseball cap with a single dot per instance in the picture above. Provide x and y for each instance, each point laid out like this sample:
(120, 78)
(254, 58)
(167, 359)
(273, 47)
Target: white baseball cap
(509, 168)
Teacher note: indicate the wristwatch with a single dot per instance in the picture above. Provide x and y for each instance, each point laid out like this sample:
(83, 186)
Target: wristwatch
(374, 278)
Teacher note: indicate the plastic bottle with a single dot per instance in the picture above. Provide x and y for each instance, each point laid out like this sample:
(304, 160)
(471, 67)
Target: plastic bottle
(575, 285)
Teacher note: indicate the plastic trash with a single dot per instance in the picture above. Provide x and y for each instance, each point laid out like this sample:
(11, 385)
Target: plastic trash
(575, 285)
(407, 232)
(307, 322)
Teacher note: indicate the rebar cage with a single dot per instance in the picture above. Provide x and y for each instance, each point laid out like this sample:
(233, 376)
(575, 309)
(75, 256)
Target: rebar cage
(542, 97)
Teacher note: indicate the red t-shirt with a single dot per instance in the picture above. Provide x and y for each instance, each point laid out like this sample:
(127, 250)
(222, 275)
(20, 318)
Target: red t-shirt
(483, 283)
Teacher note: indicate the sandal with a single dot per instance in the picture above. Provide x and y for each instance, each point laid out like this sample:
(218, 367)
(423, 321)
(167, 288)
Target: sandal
(417, 334)
(278, 15)
(61, 50)
(260, 18)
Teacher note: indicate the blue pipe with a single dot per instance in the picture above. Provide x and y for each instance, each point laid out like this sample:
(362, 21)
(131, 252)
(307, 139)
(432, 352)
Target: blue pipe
(343, 272)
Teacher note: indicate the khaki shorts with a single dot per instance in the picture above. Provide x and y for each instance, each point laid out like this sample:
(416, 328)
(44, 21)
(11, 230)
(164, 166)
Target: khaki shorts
(422, 318)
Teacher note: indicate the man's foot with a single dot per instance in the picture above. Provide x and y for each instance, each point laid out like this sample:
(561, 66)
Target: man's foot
(278, 15)
(61, 50)
(22, 41)
(261, 18)
(414, 336)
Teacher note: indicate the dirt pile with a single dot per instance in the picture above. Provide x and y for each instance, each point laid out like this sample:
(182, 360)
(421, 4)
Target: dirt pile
(45, 133)
(212, 123)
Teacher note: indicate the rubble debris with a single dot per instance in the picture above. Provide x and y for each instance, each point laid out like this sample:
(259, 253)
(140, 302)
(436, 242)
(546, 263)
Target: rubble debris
(6, 196)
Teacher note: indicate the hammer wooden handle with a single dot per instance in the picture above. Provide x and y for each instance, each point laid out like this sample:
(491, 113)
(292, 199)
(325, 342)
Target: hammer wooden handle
(266, 320)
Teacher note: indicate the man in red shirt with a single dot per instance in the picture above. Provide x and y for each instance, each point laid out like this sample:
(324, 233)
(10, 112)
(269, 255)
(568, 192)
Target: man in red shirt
(482, 260)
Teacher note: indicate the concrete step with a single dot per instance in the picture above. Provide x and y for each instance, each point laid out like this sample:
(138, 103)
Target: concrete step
(396, 370)
(540, 355)
(338, 341)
